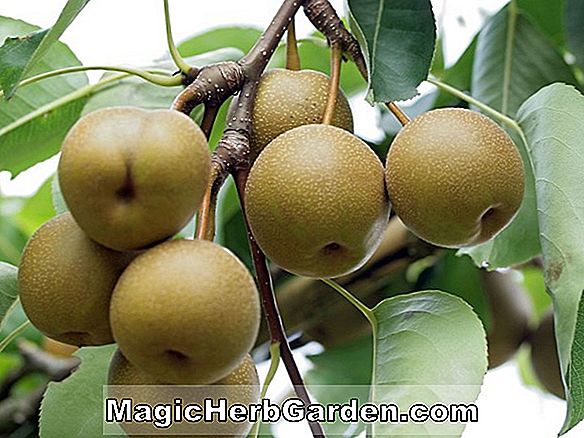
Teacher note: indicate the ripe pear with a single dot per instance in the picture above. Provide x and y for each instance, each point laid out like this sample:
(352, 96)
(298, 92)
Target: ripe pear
(240, 386)
(454, 177)
(316, 201)
(66, 281)
(186, 312)
(287, 99)
(510, 312)
(544, 356)
(133, 177)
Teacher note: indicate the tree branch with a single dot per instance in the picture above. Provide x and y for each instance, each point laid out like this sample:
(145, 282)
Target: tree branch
(273, 319)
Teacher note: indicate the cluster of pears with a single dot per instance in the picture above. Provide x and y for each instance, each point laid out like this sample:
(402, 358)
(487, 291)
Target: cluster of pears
(181, 311)
(318, 198)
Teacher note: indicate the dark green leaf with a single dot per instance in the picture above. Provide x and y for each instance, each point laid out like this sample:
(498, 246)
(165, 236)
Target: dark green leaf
(514, 60)
(80, 396)
(575, 29)
(34, 122)
(398, 37)
(459, 76)
(430, 348)
(8, 288)
(547, 16)
(19, 55)
(552, 120)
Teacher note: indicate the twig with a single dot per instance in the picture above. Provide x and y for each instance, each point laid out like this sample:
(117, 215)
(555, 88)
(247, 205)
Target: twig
(335, 79)
(273, 319)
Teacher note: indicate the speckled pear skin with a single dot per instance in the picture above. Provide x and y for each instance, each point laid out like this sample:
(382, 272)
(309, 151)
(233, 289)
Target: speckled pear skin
(186, 311)
(454, 177)
(316, 201)
(133, 177)
(66, 281)
(244, 379)
(287, 99)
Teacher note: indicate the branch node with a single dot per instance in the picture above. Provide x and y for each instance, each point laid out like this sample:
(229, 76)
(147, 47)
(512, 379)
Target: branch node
(213, 85)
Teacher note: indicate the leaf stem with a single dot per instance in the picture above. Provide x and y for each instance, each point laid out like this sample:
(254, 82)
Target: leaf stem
(292, 56)
(471, 100)
(335, 80)
(8, 339)
(274, 364)
(180, 63)
(366, 311)
(150, 76)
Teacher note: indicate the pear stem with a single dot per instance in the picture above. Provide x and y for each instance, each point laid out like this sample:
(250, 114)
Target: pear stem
(335, 80)
(292, 56)
(401, 116)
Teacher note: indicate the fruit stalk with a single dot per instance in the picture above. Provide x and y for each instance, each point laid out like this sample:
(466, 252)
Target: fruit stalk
(336, 59)
(273, 319)
(324, 17)
(292, 57)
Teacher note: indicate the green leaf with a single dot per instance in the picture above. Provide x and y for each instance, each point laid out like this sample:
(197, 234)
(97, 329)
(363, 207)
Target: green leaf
(547, 16)
(314, 54)
(37, 209)
(459, 276)
(137, 92)
(239, 37)
(19, 55)
(8, 288)
(430, 348)
(552, 120)
(13, 319)
(459, 76)
(80, 396)
(398, 38)
(575, 29)
(339, 374)
(514, 60)
(34, 122)
(59, 203)
(12, 240)
(533, 280)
